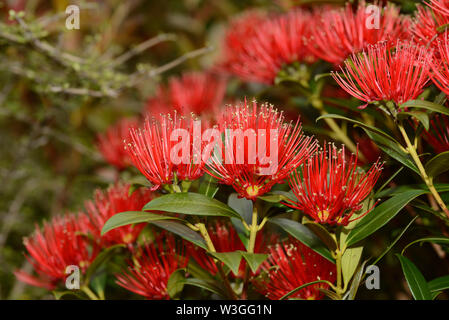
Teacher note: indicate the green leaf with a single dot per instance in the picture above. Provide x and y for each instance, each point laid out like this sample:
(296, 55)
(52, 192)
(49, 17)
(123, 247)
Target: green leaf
(439, 240)
(176, 282)
(208, 285)
(381, 215)
(182, 231)
(395, 241)
(191, 204)
(208, 187)
(349, 262)
(415, 280)
(357, 279)
(361, 124)
(427, 105)
(98, 283)
(422, 117)
(323, 234)
(393, 150)
(438, 164)
(278, 196)
(439, 284)
(302, 287)
(230, 259)
(59, 294)
(254, 259)
(304, 235)
(242, 206)
(101, 258)
(130, 217)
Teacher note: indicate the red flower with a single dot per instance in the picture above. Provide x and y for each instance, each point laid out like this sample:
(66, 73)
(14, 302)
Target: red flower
(153, 265)
(249, 133)
(427, 25)
(290, 265)
(330, 188)
(193, 92)
(438, 134)
(440, 6)
(110, 202)
(256, 47)
(225, 239)
(338, 32)
(58, 245)
(155, 150)
(381, 74)
(440, 74)
(110, 143)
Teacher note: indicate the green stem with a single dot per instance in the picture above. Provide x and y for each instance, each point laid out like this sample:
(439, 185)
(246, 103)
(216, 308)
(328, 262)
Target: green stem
(89, 293)
(253, 228)
(210, 245)
(411, 148)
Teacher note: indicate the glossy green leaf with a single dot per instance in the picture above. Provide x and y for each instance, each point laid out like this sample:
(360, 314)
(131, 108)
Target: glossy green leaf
(242, 206)
(302, 287)
(207, 285)
(101, 258)
(130, 217)
(176, 282)
(439, 284)
(230, 259)
(361, 124)
(415, 280)
(439, 240)
(393, 150)
(349, 262)
(438, 164)
(394, 242)
(381, 215)
(182, 231)
(208, 186)
(191, 204)
(254, 259)
(427, 105)
(304, 235)
(356, 281)
(422, 117)
(323, 234)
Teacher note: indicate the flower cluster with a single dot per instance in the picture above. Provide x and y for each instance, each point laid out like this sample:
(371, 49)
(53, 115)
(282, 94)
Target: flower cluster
(260, 150)
(290, 265)
(193, 92)
(330, 188)
(337, 33)
(384, 74)
(256, 55)
(151, 267)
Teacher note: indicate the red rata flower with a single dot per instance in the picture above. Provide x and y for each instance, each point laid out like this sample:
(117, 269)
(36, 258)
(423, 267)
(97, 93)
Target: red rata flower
(438, 134)
(153, 265)
(330, 188)
(156, 149)
(110, 143)
(383, 74)
(194, 92)
(440, 74)
(257, 47)
(338, 32)
(290, 265)
(249, 133)
(110, 202)
(58, 245)
(429, 24)
(225, 239)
